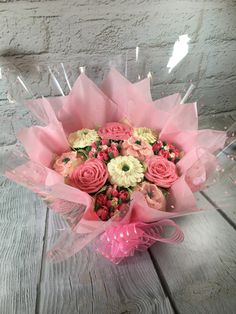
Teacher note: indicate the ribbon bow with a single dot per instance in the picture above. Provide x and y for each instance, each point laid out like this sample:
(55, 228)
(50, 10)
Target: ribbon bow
(121, 241)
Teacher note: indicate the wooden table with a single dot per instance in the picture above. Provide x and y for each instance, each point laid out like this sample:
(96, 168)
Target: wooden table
(197, 276)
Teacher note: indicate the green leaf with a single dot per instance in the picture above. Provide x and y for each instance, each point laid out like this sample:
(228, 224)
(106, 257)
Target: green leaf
(66, 160)
(98, 143)
(109, 197)
(110, 155)
(111, 209)
(96, 207)
(103, 189)
(164, 191)
(82, 152)
(177, 159)
(129, 190)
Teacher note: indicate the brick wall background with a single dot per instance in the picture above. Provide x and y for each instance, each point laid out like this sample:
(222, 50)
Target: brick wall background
(71, 30)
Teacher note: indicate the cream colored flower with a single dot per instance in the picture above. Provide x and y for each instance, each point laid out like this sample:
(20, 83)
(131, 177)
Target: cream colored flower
(125, 171)
(83, 138)
(146, 134)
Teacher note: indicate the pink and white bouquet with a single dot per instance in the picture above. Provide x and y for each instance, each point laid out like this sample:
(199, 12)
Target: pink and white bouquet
(115, 164)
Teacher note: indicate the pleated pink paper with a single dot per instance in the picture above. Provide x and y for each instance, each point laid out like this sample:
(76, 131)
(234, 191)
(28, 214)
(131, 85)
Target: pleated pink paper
(117, 99)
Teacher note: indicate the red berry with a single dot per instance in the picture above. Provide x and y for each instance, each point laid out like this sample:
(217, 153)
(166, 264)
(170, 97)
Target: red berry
(103, 213)
(164, 153)
(94, 146)
(123, 195)
(157, 146)
(122, 207)
(109, 203)
(115, 193)
(171, 147)
(102, 155)
(101, 199)
(109, 190)
(177, 153)
(105, 141)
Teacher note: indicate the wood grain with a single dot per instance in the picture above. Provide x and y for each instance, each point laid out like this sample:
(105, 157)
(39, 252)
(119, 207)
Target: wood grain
(22, 217)
(88, 283)
(200, 273)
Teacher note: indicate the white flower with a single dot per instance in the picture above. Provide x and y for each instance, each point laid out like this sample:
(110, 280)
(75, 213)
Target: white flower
(146, 134)
(83, 138)
(125, 171)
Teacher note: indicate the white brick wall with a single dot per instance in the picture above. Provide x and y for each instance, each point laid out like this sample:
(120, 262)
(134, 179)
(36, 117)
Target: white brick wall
(69, 30)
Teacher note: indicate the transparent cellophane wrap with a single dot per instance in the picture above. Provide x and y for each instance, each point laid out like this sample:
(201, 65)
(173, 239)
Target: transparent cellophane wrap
(52, 100)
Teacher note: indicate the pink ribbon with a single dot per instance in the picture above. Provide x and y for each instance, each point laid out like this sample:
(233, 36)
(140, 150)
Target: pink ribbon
(121, 241)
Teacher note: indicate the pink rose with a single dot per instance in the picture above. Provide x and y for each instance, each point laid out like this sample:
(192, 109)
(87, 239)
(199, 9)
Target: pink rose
(154, 196)
(161, 171)
(65, 163)
(90, 176)
(115, 131)
(137, 147)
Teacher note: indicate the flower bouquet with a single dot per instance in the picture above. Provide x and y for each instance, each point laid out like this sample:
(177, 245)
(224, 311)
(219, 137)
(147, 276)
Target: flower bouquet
(114, 163)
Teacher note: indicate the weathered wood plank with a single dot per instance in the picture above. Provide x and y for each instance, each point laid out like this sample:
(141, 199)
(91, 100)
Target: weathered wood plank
(201, 272)
(22, 217)
(88, 283)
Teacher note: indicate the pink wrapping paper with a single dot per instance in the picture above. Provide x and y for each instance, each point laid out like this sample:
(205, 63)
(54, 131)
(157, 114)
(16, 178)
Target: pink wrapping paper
(116, 100)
